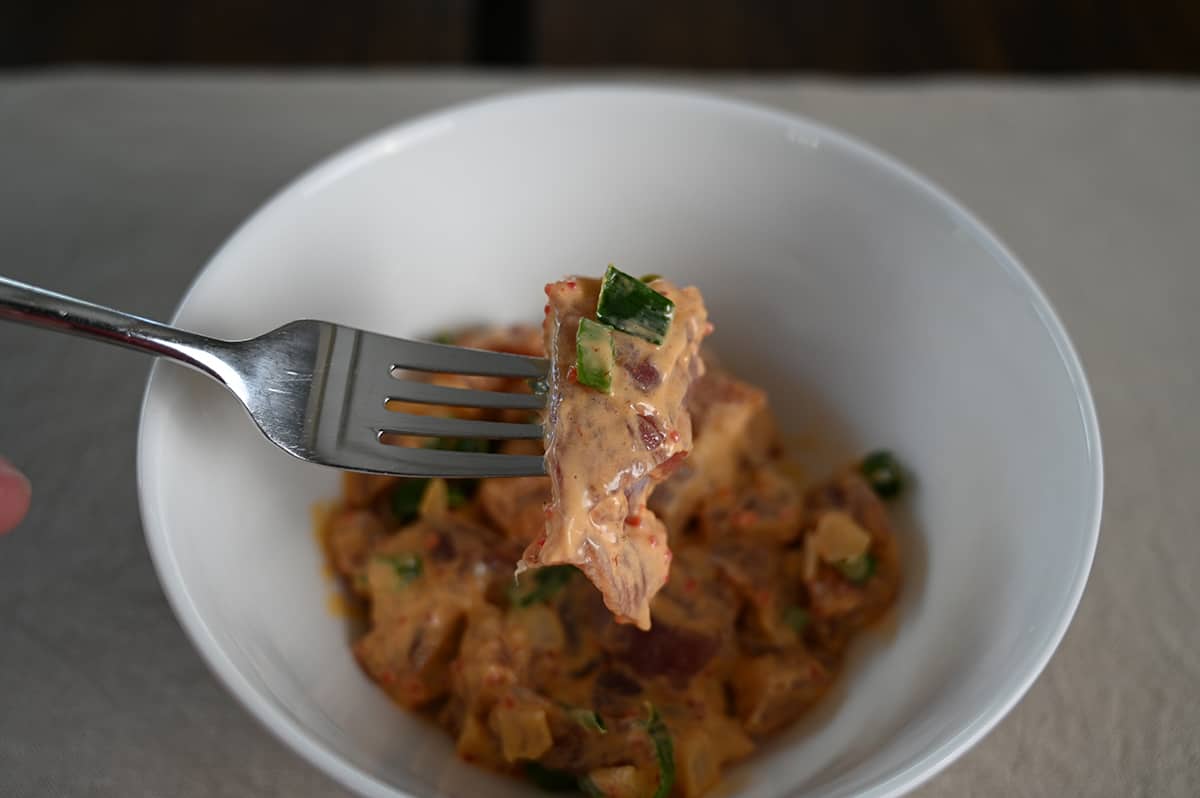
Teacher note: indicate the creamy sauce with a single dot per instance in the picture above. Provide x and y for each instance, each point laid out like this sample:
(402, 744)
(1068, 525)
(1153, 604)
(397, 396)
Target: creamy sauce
(606, 452)
(748, 633)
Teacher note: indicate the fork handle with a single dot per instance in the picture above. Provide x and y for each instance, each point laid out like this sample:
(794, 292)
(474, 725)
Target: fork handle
(38, 307)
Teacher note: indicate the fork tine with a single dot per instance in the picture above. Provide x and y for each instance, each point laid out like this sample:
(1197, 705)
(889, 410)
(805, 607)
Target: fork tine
(432, 426)
(425, 393)
(425, 356)
(411, 461)
(347, 422)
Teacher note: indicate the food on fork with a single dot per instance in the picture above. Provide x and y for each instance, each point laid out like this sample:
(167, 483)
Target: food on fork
(623, 353)
(609, 666)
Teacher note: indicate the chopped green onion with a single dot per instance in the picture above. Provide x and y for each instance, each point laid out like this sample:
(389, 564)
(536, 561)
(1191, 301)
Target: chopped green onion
(443, 338)
(407, 566)
(883, 472)
(796, 617)
(664, 751)
(649, 278)
(547, 582)
(589, 788)
(857, 569)
(588, 719)
(550, 780)
(406, 499)
(631, 306)
(594, 355)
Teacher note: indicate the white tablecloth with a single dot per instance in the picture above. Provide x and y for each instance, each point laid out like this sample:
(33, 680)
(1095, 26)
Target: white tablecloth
(118, 186)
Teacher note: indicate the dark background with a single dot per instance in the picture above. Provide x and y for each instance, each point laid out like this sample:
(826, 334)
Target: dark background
(844, 36)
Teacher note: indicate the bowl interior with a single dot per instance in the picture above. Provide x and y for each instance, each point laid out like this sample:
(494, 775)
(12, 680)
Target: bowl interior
(873, 309)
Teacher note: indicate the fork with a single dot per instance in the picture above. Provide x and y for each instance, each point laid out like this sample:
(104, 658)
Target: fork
(319, 390)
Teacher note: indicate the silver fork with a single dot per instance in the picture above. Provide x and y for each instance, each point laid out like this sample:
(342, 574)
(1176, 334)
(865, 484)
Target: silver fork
(319, 391)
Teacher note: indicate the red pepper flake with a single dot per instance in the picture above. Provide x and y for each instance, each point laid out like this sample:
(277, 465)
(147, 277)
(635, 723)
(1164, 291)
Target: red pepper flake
(546, 309)
(636, 520)
(387, 677)
(690, 585)
(571, 283)
(673, 436)
(572, 375)
(654, 540)
(547, 288)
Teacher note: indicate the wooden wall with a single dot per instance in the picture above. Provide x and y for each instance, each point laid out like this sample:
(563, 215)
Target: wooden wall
(847, 36)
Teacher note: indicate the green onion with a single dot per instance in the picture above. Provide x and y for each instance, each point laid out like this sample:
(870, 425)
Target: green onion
(547, 582)
(407, 566)
(857, 569)
(664, 751)
(594, 355)
(588, 719)
(797, 618)
(883, 472)
(443, 338)
(550, 780)
(649, 278)
(631, 306)
(589, 788)
(406, 499)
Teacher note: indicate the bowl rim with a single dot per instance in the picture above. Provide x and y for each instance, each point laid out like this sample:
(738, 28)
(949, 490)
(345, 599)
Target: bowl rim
(285, 727)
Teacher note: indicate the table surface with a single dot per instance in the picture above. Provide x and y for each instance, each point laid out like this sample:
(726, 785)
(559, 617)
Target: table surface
(118, 187)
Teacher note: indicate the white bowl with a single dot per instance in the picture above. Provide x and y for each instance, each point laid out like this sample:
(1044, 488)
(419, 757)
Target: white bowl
(829, 269)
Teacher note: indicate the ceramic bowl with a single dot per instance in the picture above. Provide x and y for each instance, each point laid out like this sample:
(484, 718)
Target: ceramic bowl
(872, 306)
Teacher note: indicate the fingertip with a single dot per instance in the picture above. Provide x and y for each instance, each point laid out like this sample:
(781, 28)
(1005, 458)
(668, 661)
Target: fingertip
(15, 496)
